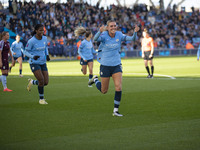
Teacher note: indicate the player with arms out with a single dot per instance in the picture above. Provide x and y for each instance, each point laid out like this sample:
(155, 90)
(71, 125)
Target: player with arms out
(17, 49)
(37, 51)
(111, 61)
(86, 51)
(4, 64)
(147, 52)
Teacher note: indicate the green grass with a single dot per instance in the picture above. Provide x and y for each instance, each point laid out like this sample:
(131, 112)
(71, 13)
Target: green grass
(159, 113)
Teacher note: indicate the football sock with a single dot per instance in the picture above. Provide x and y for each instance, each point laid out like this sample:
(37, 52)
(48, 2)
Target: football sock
(90, 76)
(41, 92)
(152, 69)
(20, 71)
(147, 68)
(4, 81)
(35, 82)
(118, 95)
(98, 84)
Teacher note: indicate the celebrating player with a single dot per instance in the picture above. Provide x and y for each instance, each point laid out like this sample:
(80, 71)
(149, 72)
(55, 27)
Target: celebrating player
(16, 49)
(36, 50)
(4, 64)
(110, 60)
(86, 51)
(147, 52)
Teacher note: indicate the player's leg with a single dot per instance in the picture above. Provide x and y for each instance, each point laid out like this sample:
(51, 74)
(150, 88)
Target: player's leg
(40, 78)
(84, 69)
(117, 78)
(152, 67)
(146, 58)
(20, 66)
(90, 66)
(31, 82)
(12, 65)
(3, 79)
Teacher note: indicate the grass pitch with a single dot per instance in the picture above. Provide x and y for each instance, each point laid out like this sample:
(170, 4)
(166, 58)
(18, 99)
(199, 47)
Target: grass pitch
(159, 114)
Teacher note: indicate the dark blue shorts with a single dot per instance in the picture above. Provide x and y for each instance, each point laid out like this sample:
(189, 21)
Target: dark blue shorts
(15, 58)
(82, 62)
(146, 55)
(108, 71)
(35, 67)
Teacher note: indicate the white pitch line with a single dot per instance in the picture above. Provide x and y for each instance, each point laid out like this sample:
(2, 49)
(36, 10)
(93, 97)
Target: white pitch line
(161, 75)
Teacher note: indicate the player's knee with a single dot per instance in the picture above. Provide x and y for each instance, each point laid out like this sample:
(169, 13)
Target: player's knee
(84, 73)
(104, 91)
(46, 83)
(41, 82)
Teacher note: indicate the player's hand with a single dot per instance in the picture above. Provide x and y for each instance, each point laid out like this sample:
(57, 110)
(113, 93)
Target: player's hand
(36, 57)
(137, 28)
(48, 58)
(102, 28)
(142, 55)
(150, 56)
(85, 60)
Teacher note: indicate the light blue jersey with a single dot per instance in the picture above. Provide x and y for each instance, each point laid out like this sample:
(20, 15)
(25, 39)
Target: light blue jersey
(198, 52)
(37, 47)
(17, 48)
(86, 50)
(111, 47)
(99, 54)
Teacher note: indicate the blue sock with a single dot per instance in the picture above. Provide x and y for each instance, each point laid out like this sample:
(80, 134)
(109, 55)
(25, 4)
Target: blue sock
(4, 81)
(20, 71)
(118, 95)
(90, 76)
(98, 84)
(35, 82)
(41, 92)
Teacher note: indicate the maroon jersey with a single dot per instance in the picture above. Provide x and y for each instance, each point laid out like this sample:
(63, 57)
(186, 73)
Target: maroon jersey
(4, 48)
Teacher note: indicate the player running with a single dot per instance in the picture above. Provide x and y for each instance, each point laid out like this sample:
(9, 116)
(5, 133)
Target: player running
(4, 64)
(36, 50)
(147, 52)
(86, 51)
(110, 60)
(17, 49)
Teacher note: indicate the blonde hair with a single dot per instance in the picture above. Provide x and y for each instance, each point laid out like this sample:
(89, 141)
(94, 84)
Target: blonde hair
(3, 34)
(145, 30)
(81, 31)
(109, 21)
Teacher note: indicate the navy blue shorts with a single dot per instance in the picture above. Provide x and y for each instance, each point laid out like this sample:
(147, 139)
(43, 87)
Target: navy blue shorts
(82, 62)
(35, 67)
(108, 71)
(15, 58)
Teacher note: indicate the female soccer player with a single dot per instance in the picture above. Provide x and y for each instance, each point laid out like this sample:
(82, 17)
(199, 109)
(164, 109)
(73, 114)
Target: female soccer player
(86, 51)
(16, 49)
(147, 52)
(4, 64)
(36, 50)
(110, 60)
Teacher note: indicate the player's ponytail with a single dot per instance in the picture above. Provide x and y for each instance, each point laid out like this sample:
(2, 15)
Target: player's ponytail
(81, 31)
(36, 28)
(3, 34)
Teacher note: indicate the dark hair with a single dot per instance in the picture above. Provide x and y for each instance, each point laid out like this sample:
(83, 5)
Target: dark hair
(81, 31)
(3, 34)
(36, 28)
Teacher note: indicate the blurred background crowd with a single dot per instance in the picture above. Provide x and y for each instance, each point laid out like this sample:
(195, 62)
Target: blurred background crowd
(170, 29)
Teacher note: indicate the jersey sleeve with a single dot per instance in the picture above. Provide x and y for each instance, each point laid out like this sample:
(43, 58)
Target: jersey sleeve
(12, 46)
(129, 38)
(80, 49)
(99, 37)
(1, 45)
(28, 48)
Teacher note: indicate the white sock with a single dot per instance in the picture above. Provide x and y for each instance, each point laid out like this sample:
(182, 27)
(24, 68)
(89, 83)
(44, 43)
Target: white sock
(115, 109)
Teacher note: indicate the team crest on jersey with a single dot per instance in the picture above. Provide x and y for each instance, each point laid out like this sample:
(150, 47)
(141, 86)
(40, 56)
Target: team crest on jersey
(33, 68)
(101, 73)
(117, 40)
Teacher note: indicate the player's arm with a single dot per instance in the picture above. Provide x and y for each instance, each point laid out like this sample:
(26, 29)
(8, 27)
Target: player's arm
(152, 48)
(133, 37)
(198, 53)
(97, 35)
(1, 63)
(47, 52)
(27, 49)
(13, 61)
(142, 47)
(11, 48)
(80, 49)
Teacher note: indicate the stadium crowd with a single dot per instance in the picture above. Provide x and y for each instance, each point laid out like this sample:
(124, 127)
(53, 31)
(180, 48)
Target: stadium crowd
(170, 29)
